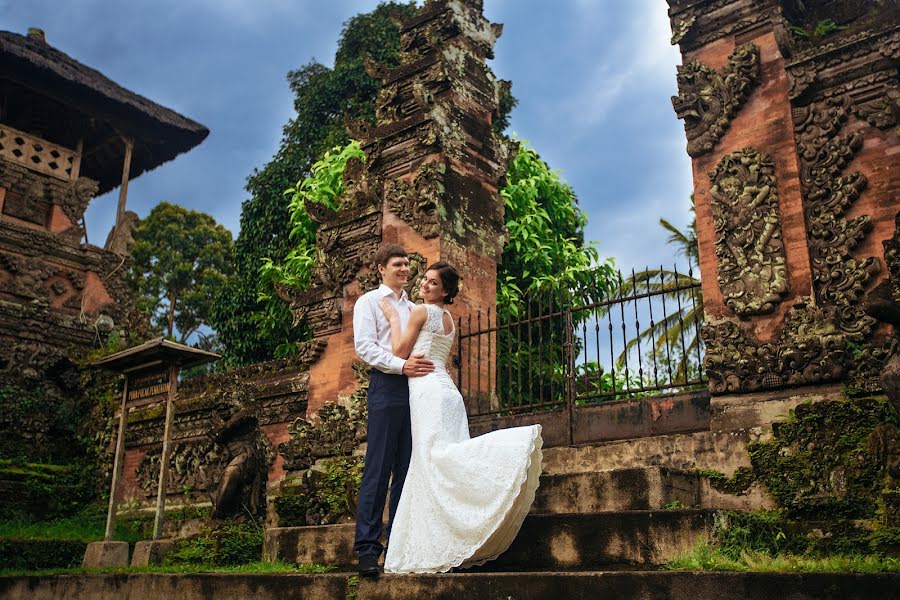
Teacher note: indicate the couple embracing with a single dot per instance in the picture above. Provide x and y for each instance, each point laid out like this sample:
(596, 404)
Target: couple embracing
(454, 500)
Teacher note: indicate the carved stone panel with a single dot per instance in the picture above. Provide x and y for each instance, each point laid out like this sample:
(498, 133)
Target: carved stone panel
(809, 350)
(707, 100)
(751, 265)
(417, 202)
(839, 278)
(194, 465)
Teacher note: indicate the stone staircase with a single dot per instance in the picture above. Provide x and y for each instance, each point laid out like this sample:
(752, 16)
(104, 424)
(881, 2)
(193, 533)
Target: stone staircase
(605, 517)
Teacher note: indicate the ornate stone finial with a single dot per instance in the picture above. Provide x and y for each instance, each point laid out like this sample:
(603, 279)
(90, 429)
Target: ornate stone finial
(681, 26)
(375, 69)
(37, 34)
(751, 265)
(707, 100)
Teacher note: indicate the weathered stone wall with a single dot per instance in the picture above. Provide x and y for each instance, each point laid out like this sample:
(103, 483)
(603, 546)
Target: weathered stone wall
(795, 163)
(53, 289)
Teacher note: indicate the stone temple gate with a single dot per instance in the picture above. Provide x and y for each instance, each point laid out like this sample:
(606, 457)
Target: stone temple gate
(429, 182)
(794, 148)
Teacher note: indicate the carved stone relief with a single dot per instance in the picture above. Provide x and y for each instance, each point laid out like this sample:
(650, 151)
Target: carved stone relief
(810, 349)
(194, 465)
(839, 278)
(751, 265)
(336, 430)
(417, 203)
(707, 100)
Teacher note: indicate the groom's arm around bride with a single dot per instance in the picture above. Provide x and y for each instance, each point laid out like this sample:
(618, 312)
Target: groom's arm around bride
(389, 440)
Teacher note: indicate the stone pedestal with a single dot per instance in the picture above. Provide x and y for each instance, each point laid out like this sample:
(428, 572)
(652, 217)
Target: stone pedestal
(151, 552)
(105, 554)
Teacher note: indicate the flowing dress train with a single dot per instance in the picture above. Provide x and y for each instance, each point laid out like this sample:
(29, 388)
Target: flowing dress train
(465, 498)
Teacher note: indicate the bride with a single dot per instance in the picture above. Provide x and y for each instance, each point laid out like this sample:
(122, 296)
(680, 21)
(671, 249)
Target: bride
(465, 498)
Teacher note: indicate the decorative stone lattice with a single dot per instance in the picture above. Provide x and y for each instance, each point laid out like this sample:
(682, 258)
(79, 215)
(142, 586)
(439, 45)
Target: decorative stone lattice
(752, 270)
(37, 154)
(707, 100)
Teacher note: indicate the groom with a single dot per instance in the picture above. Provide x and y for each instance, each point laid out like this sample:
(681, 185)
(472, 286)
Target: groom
(389, 437)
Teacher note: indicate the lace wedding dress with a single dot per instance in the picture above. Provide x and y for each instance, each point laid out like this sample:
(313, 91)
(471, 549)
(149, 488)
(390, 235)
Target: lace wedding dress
(465, 498)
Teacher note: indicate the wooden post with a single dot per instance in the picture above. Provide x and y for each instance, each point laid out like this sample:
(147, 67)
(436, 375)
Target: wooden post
(76, 162)
(166, 450)
(117, 465)
(123, 189)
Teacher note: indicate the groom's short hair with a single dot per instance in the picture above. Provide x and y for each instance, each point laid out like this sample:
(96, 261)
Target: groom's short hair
(386, 252)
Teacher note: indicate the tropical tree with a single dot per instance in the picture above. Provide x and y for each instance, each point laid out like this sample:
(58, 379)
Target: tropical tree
(675, 339)
(546, 254)
(182, 259)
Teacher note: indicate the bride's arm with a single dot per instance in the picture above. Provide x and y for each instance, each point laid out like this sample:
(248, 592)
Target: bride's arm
(403, 340)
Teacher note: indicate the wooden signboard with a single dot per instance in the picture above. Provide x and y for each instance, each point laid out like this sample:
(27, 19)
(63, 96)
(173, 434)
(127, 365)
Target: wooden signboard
(147, 388)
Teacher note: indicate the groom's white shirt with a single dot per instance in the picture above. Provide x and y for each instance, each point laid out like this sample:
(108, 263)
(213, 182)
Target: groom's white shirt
(372, 331)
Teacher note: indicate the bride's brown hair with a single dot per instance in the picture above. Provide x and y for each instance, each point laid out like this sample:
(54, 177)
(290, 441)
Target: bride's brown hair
(449, 279)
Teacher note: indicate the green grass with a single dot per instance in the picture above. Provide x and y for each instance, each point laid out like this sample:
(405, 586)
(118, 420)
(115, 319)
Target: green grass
(79, 528)
(247, 569)
(707, 558)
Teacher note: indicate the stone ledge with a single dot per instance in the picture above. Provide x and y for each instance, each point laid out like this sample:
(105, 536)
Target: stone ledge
(720, 451)
(735, 412)
(635, 585)
(639, 488)
(569, 541)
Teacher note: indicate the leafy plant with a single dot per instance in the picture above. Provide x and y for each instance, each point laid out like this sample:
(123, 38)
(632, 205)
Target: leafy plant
(546, 254)
(819, 30)
(324, 186)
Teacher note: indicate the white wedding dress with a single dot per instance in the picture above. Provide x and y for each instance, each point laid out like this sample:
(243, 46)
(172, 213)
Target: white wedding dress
(464, 498)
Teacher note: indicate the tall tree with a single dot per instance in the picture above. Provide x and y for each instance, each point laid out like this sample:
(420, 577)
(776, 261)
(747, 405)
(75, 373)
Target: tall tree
(182, 259)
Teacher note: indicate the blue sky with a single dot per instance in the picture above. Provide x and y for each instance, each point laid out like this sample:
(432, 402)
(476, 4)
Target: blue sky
(593, 79)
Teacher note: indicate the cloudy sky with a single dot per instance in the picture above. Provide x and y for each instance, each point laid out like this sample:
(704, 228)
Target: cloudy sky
(593, 79)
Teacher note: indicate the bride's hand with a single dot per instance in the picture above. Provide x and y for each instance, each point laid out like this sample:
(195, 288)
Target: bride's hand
(388, 309)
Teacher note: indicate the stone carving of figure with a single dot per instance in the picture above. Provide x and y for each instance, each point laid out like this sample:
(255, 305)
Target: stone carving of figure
(242, 485)
(121, 239)
(883, 303)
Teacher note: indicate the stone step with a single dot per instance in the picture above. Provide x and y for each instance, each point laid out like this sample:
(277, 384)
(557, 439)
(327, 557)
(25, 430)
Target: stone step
(625, 585)
(644, 488)
(545, 542)
(720, 451)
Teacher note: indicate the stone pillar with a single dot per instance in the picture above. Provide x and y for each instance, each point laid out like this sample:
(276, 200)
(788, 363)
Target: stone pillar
(429, 182)
(795, 160)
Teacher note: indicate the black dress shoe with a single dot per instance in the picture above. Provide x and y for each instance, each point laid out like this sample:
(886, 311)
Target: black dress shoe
(368, 566)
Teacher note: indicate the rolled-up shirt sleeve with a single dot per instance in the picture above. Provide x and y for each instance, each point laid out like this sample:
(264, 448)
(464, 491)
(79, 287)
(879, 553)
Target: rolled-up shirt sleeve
(365, 341)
